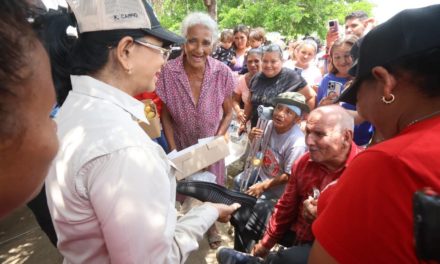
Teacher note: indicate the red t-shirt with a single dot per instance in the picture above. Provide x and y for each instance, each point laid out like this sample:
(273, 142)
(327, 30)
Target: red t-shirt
(306, 175)
(369, 218)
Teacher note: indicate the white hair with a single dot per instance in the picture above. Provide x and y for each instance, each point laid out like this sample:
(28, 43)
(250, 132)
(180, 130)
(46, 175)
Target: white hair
(199, 18)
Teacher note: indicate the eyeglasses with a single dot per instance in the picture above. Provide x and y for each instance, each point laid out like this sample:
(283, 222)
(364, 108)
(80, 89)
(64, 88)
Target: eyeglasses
(165, 52)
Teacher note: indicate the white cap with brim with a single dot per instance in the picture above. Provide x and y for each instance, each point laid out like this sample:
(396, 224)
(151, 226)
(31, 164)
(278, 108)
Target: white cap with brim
(98, 15)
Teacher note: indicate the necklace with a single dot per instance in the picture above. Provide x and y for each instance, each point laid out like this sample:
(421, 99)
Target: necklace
(423, 118)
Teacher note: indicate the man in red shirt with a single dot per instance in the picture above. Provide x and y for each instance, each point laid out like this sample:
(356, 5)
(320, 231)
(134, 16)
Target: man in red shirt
(329, 137)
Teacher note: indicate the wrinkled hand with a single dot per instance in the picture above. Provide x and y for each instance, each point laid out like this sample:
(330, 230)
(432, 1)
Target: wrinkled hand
(259, 251)
(225, 211)
(310, 208)
(255, 133)
(257, 189)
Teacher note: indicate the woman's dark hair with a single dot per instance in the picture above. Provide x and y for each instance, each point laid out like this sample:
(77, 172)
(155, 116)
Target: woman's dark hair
(242, 29)
(424, 69)
(17, 41)
(51, 29)
(274, 48)
(90, 52)
(82, 55)
(257, 51)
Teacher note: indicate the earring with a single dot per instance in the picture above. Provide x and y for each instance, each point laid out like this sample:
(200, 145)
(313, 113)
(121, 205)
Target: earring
(388, 101)
(129, 70)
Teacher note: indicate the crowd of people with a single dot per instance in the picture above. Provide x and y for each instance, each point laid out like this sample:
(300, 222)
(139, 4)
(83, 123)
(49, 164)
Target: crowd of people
(352, 136)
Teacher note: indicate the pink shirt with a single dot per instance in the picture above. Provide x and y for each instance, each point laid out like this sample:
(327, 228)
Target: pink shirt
(190, 121)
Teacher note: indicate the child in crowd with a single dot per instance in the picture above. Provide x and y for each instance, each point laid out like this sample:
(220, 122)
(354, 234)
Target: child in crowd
(340, 62)
(224, 52)
(332, 84)
(257, 37)
(305, 54)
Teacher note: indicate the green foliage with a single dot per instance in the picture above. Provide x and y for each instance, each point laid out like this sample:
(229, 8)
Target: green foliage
(291, 18)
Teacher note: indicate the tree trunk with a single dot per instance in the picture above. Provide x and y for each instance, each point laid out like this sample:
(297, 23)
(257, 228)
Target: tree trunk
(211, 5)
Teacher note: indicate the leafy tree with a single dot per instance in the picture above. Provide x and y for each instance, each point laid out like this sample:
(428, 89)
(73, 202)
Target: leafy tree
(289, 17)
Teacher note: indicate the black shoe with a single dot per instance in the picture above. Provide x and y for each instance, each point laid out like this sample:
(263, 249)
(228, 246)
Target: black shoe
(211, 192)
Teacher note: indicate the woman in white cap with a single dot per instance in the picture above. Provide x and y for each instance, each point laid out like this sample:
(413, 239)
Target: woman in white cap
(110, 190)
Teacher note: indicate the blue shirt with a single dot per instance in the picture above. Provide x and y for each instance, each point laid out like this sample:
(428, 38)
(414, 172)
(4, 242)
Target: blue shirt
(362, 132)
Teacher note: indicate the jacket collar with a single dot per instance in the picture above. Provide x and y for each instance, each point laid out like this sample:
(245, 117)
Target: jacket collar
(92, 87)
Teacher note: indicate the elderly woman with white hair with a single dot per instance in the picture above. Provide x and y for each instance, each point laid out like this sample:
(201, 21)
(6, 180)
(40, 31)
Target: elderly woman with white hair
(197, 94)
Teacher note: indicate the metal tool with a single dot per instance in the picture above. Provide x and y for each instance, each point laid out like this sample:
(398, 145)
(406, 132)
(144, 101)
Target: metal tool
(258, 148)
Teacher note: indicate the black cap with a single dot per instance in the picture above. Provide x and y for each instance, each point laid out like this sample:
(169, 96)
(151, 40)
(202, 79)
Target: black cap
(168, 37)
(408, 32)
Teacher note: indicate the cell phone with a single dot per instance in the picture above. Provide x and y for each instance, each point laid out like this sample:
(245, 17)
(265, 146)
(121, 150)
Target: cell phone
(334, 89)
(426, 206)
(333, 25)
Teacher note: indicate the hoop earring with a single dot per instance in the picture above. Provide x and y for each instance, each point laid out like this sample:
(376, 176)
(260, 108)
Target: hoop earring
(388, 101)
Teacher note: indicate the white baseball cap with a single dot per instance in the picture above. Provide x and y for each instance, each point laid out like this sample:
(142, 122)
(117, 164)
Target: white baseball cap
(102, 15)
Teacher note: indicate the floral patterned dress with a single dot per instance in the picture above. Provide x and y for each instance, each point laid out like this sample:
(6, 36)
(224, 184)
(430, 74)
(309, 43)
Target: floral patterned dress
(194, 121)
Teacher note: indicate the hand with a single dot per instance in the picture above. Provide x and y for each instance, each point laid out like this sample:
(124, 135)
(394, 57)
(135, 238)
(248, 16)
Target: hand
(241, 116)
(225, 211)
(328, 100)
(242, 129)
(226, 136)
(310, 207)
(259, 251)
(233, 61)
(331, 38)
(257, 189)
(255, 133)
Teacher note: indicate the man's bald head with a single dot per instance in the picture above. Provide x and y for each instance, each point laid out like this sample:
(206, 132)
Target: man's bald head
(329, 136)
(334, 115)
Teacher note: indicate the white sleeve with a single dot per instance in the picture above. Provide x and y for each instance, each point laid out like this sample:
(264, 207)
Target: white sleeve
(133, 198)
